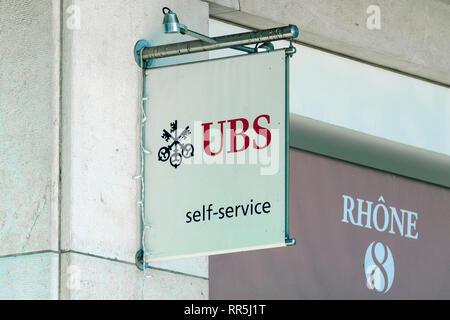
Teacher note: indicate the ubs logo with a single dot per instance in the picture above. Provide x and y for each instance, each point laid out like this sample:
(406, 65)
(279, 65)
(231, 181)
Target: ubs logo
(379, 267)
(176, 150)
(239, 128)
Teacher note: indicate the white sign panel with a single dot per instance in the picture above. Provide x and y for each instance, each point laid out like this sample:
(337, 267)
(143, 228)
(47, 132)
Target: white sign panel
(216, 172)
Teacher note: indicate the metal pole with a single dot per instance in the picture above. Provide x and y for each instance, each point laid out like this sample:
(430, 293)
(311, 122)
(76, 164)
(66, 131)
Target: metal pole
(197, 35)
(289, 52)
(228, 41)
(185, 30)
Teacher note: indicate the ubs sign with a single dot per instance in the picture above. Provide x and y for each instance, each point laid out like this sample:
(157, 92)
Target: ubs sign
(216, 165)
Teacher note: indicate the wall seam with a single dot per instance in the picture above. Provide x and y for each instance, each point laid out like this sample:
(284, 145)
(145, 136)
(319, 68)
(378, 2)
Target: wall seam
(129, 263)
(61, 252)
(61, 39)
(14, 255)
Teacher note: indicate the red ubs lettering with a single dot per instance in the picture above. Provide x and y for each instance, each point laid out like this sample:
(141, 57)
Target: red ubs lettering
(235, 133)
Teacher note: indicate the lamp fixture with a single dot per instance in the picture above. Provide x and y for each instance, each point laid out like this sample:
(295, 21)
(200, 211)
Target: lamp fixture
(172, 25)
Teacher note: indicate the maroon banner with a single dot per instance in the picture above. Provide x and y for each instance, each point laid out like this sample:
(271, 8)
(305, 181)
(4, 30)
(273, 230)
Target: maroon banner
(361, 234)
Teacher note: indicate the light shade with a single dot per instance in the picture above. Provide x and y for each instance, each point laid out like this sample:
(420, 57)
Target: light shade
(171, 23)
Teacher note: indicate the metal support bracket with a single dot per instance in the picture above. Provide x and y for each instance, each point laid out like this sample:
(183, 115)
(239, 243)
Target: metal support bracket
(290, 242)
(233, 41)
(139, 260)
(291, 50)
(138, 48)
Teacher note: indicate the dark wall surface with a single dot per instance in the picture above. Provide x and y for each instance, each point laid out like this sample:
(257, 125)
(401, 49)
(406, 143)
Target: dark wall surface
(333, 257)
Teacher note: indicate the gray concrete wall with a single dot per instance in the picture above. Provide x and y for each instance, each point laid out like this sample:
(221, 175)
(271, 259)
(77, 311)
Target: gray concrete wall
(101, 228)
(29, 148)
(73, 60)
(412, 36)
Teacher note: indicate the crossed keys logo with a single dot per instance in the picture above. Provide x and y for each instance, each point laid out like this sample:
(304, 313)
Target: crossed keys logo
(176, 150)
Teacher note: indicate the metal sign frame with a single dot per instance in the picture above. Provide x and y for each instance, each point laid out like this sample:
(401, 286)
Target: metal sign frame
(143, 60)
